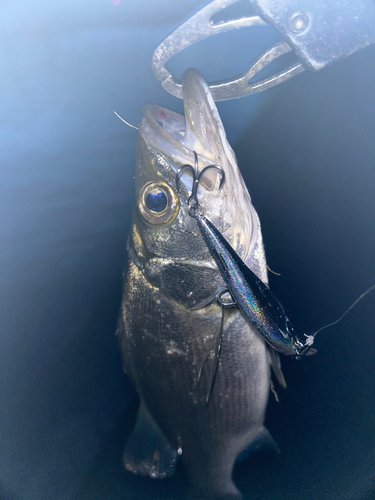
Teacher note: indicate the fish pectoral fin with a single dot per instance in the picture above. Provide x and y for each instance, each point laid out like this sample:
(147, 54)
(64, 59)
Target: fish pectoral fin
(147, 451)
(276, 366)
(217, 296)
(263, 441)
(208, 300)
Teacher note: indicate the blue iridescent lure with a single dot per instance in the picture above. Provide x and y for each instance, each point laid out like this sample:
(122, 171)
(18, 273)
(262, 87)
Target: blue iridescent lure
(251, 295)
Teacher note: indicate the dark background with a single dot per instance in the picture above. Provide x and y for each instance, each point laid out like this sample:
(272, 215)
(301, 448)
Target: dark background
(307, 153)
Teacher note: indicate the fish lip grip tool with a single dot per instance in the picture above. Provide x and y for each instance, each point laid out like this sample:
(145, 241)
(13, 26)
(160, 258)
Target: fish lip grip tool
(319, 33)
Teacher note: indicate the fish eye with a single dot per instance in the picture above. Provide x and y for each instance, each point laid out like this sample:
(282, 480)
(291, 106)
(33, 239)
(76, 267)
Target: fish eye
(157, 202)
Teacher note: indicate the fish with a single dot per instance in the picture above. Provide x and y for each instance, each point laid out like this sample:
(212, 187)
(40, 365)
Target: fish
(164, 334)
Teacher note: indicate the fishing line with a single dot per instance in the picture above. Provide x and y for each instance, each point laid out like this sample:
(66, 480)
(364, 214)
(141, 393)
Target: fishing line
(273, 272)
(310, 338)
(127, 123)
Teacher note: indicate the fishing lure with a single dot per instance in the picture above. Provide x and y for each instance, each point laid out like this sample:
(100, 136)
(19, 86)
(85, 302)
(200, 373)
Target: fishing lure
(253, 297)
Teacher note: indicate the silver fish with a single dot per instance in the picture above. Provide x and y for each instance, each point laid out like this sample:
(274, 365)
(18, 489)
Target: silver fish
(164, 338)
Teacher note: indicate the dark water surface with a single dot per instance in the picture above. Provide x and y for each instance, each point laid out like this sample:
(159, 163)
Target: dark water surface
(307, 153)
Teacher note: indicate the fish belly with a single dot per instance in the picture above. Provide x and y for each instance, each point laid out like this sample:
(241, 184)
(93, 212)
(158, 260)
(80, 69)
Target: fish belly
(163, 346)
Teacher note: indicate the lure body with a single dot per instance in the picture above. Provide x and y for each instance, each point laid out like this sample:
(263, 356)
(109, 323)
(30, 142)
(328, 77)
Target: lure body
(252, 296)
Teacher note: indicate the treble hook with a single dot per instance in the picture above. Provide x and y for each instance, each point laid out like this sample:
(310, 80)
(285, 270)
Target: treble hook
(193, 199)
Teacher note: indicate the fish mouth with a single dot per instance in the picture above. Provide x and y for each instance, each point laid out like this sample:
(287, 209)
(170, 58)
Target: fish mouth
(201, 131)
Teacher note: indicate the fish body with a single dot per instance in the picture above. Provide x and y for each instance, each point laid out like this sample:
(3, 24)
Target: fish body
(163, 339)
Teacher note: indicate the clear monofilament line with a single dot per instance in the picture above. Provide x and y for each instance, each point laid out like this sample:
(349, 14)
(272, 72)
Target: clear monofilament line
(346, 312)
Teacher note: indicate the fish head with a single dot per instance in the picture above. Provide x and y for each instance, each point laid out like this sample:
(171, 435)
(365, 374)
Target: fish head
(162, 226)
